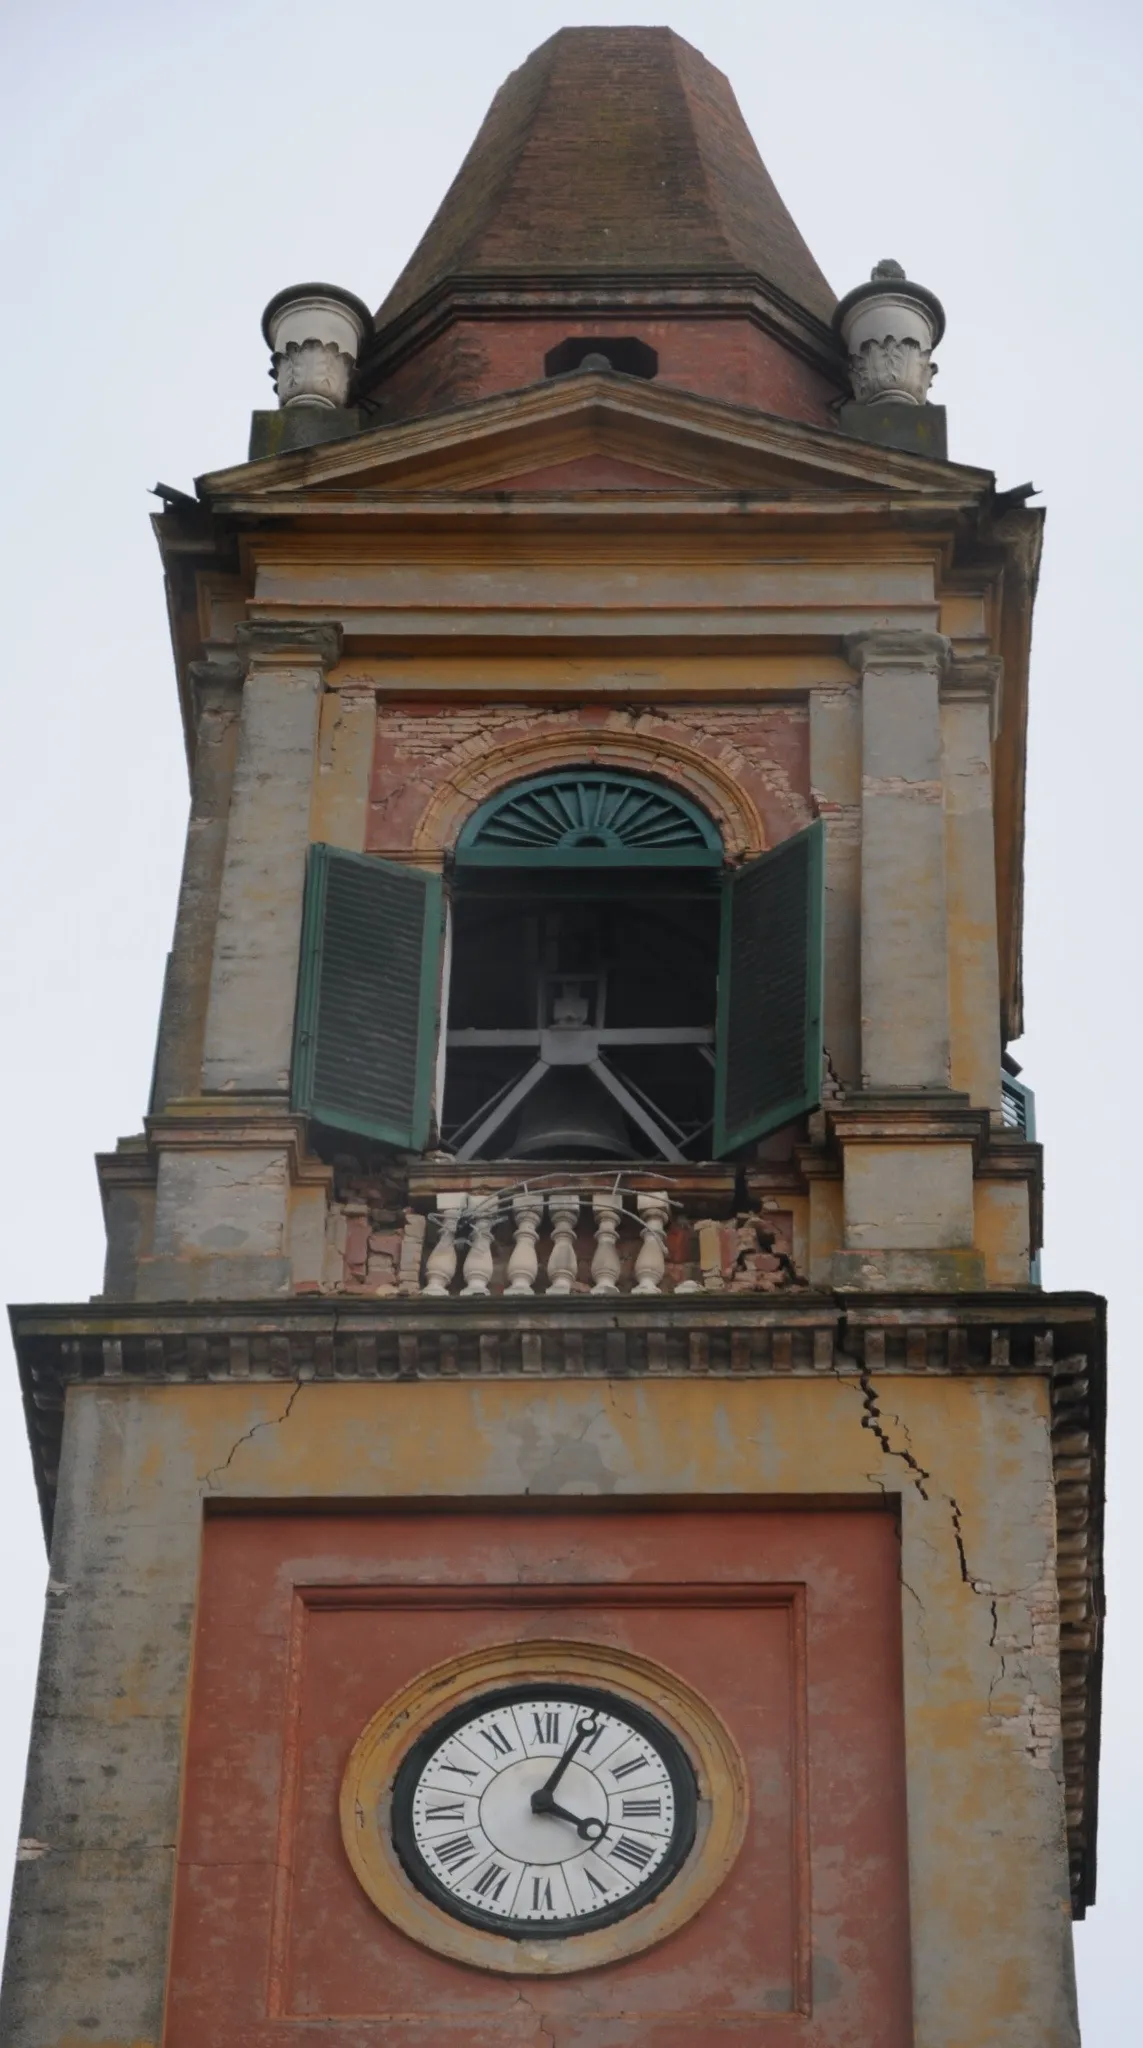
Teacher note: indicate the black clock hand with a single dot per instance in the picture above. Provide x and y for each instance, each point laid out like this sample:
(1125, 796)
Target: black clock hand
(587, 1830)
(541, 1800)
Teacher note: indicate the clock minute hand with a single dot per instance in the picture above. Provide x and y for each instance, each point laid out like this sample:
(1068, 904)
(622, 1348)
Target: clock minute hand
(542, 1800)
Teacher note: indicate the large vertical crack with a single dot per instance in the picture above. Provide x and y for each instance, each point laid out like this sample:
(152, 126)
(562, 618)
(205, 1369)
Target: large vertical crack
(875, 1419)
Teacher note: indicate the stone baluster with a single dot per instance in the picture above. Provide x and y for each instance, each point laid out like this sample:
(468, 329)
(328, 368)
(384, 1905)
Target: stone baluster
(651, 1263)
(608, 1212)
(478, 1259)
(562, 1262)
(523, 1262)
(440, 1266)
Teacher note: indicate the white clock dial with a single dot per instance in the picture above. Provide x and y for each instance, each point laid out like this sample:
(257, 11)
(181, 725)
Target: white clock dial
(554, 1808)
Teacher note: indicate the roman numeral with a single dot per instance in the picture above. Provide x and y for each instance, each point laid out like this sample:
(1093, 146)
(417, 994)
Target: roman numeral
(594, 1882)
(642, 1809)
(458, 1770)
(634, 1763)
(457, 1850)
(590, 1741)
(547, 1727)
(455, 1811)
(497, 1741)
(542, 1891)
(491, 1882)
(637, 1854)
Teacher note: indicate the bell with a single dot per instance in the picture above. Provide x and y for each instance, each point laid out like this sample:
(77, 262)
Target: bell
(569, 1116)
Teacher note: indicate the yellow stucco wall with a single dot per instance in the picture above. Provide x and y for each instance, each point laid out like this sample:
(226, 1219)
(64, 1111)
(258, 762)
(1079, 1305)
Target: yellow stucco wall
(969, 1460)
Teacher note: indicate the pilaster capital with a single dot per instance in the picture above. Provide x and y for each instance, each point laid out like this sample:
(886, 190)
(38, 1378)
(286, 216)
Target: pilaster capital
(289, 643)
(215, 679)
(898, 648)
(908, 1116)
(976, 678)
(243, 1123)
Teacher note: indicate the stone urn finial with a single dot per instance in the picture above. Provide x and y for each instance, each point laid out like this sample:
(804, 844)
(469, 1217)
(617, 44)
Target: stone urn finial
(315, 333)
(890, 328)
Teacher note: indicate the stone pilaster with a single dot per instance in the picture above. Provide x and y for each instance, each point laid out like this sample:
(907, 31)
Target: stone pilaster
(250, 1013)
(835, 779)
(968, 720)
(904, 918)
(217, 686)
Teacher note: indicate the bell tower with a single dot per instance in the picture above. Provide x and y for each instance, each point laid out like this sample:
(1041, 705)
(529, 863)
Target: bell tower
(573, 1519)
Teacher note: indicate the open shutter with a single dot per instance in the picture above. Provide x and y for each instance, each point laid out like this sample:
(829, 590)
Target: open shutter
(769, 1039)
(1018, 1106)
(365, 1032)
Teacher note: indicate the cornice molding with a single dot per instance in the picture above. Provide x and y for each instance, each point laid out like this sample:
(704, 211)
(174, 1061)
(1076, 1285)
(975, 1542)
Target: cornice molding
(731, 432)
(509, 295)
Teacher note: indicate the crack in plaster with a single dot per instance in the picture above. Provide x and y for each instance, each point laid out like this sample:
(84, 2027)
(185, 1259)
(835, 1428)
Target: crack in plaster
(1035, 1722)
(544, 2033)
(271, 1422)
(874, 1419)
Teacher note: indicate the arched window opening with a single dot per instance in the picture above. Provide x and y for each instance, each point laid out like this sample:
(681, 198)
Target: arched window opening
(616, 990)
(582, 995)
(622, 352)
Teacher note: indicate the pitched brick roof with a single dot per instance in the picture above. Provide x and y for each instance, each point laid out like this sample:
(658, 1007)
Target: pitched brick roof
(613, 152)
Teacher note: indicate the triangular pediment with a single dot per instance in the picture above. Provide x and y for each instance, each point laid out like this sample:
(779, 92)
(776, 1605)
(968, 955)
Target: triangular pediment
(587, 435)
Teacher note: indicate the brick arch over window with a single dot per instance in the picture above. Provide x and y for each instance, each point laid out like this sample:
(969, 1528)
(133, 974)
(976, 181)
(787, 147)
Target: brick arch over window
(481, 775)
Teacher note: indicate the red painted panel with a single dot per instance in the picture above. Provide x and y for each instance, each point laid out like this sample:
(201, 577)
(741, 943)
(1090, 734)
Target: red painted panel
(788, 1622)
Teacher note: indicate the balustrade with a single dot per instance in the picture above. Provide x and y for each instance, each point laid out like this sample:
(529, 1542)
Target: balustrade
(464, 1257)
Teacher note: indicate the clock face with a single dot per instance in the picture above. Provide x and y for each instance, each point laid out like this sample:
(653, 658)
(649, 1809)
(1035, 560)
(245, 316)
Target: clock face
(551, 1810)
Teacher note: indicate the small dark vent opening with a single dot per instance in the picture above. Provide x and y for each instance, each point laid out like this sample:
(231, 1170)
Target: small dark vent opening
(622, 352)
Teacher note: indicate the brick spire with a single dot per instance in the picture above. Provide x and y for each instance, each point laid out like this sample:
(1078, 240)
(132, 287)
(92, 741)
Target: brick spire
(621, 151)
(613, 177)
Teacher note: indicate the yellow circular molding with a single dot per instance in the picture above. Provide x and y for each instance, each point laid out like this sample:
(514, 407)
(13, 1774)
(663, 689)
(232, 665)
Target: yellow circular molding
(482, 773)
(366, 1793)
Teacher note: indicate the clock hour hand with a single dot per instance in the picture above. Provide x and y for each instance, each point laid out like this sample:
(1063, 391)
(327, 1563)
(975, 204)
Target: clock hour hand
(587, 1830)
(542, 1800)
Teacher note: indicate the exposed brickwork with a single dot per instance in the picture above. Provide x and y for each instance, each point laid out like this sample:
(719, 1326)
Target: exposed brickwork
(613, 177)
(421, 748)
(619, 149)
(728, 358)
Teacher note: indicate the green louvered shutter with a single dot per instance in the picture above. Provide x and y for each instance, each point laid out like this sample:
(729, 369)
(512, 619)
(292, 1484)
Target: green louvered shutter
(365, 1033)
(1018, 1107)
(769, 1039)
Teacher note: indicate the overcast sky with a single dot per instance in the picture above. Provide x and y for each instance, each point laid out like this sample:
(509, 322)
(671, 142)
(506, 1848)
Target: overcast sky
(166, 168)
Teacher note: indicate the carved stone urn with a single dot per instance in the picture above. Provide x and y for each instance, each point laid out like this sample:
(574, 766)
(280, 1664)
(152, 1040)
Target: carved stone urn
(315, 333)
(890, 328)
